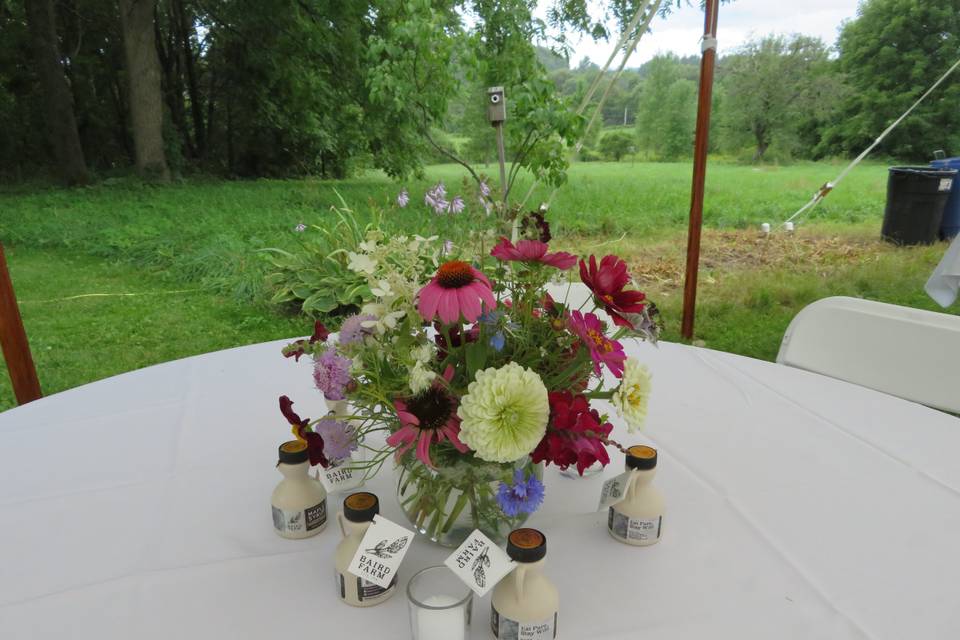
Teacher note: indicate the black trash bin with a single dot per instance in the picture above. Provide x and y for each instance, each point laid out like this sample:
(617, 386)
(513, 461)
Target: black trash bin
(915, 200)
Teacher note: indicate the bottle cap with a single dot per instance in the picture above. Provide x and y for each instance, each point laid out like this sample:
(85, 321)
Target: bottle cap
(293, 452)
(641, 457)
(526, 545)
(361, 507)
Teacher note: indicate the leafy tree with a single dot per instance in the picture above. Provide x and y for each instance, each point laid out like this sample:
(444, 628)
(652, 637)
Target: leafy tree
(617, 144)
(769, 86)
(666, 108)
(891, 54)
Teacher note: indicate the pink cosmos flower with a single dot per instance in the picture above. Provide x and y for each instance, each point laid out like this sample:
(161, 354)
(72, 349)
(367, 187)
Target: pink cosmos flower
(457, 290)
(427, 419)
(603, 350)
(532, 251)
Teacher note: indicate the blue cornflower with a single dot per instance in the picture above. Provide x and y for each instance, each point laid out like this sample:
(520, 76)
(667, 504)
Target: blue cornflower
(498, 340)
(525, 495)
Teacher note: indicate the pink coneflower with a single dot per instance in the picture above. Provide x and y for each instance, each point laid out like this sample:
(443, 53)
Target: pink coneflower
(532, 251)
(427, 419)
(457, 290)
(603, 350)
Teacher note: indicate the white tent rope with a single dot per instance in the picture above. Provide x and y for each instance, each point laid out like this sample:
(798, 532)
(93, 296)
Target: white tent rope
(829, 186)
(630, 48)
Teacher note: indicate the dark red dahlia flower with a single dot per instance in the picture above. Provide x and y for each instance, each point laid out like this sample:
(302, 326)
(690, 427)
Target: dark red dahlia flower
(607, 281)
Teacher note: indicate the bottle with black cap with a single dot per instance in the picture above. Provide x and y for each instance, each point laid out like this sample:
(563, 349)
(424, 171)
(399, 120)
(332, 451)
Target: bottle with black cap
(525, 604)
(638, 518)
(358, 511)
(299, 501)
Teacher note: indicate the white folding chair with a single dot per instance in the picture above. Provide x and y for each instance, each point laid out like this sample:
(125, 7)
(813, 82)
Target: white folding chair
(909, 353)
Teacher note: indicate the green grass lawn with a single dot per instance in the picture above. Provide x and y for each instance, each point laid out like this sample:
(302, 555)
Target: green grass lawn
(201, 236)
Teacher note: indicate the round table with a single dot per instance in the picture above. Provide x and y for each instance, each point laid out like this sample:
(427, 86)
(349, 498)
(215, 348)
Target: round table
(798, 507)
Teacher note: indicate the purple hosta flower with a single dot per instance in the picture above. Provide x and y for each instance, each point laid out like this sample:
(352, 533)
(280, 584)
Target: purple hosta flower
(484, 189)
(525, 495)
(436, 198)
(339, 438)
(331, 374)
(447, 247)
(352, 329)
(300, 228)
(457, 205)
(403, 199)
(486, 204)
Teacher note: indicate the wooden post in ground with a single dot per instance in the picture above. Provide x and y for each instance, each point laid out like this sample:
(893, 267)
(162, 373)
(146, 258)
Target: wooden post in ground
(707, 64)
(13, 339)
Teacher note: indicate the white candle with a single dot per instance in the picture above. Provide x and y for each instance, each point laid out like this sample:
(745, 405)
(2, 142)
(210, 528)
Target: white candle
(441, 624)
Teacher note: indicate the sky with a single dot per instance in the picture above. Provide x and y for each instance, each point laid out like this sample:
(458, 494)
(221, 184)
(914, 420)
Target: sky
(739, 21)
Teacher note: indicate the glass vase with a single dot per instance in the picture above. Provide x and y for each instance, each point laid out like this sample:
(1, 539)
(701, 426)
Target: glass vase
(446, 504)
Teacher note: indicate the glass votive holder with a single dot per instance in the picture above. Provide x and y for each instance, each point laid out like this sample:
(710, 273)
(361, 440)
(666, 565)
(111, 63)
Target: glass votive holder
(440, 605)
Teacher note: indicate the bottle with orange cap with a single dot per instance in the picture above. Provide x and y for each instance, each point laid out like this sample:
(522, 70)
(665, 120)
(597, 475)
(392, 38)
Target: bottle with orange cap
(299, 502)
(638, 518)
(525, 604)
(358, 512)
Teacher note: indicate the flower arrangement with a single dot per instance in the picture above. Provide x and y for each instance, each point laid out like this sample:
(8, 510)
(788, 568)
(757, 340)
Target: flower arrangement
(464, 370)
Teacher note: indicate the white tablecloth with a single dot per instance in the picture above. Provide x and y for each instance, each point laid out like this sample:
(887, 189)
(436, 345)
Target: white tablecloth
(799, 507)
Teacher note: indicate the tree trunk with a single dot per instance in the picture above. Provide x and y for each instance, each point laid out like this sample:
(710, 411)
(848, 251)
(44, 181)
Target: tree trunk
(143, 80)
(187, 30)
(58, 113)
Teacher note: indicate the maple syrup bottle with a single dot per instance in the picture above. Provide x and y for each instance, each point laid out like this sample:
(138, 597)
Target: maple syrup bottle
(358, 511)
(525, 604)
(299, 502)
(638, 518)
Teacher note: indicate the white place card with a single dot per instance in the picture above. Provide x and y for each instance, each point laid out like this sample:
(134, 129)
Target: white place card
(614, 490)
(480, 563)
(341, 478)
(381, 551)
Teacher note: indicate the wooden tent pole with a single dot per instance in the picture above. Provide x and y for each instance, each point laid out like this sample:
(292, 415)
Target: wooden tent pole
(13, 339)
(707, 64)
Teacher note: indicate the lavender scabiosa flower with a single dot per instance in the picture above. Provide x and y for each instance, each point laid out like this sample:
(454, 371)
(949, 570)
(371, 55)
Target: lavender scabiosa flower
(352, 329)
(403, 198)
(300, 228)
(457, 205)
(331, 374)
(525, 495)
(339, 438)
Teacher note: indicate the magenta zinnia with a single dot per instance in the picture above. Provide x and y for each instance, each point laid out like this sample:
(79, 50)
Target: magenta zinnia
(532, 251)
(457, 290)
(427, 419)
(603, 350)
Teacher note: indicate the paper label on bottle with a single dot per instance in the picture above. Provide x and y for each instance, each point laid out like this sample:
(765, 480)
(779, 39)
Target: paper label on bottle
(300, 521)
(362, 590)
(381, 551)
(614, 490)
(506, 629)
(627, 528)
(480, 563)
(341, 477)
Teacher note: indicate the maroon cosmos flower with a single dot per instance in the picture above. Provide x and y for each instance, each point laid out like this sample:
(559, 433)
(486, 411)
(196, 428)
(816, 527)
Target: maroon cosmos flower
(298, 348)
(574, 435)
(532, 251)
(302, 432)
(607, 281)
